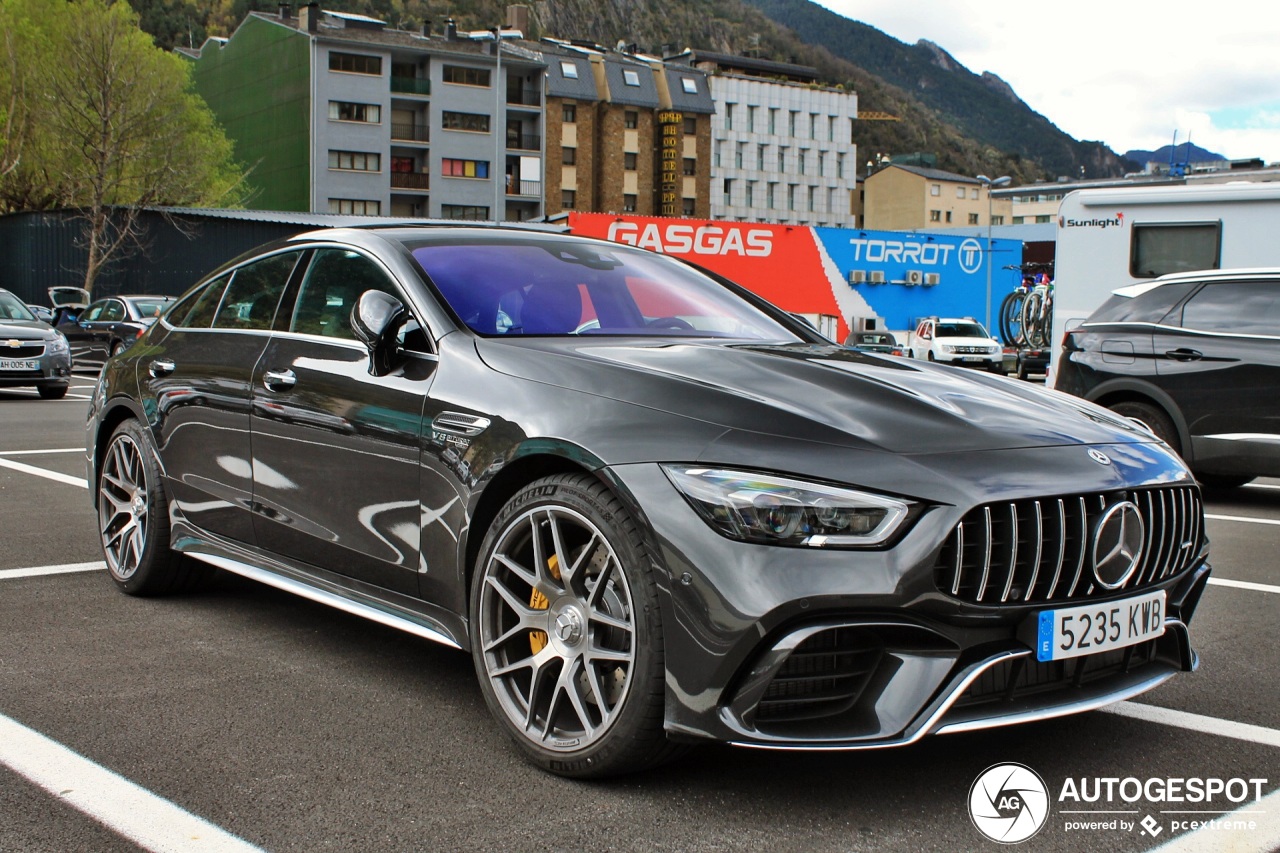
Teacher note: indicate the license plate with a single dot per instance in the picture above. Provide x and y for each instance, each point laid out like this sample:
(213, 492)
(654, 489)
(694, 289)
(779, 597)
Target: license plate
(19, 364)
(1091, 628)
(972, 358)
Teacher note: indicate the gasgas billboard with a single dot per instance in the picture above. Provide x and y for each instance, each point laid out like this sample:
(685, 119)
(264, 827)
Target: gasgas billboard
(897, 276)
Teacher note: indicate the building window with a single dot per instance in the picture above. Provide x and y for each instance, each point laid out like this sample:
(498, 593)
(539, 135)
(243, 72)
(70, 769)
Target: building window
(839, 165)
(813, 193)
(568, 69)
(690, 125)
(690, 166)
(769, 192)
(822, 164)
(760, 157)
(715, 156)
(355, 206)
(935, 189)
(1040, 219)
(464, 211)
(973, 194)
(473, 122)
(791, 123)
(751, 119)
(630, 119)
(831, 128)
(689, 84)
(355, 63)
(568, 198)
(998, 219)
(728, 191)
(464, 169)
(631, 78)
(773, 119)
(1017, 220)
(355, 161)
(751, 193)
(628, 203)
(689, 208)
(800, 158)
(791, 196)
(728, 116)
(629, 161)
(463, 76)
(737, 154)
(973, 219)
(813, 125)
(948, 216)
(782, 158)
(935, 216)
(344, 111)
(569, 156)
(959, 192)
(569, 114)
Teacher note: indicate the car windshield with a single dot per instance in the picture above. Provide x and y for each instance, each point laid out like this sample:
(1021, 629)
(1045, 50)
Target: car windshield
(876, 339)
(12, 308)
(147, 308)
(558, 287)
(961, 330)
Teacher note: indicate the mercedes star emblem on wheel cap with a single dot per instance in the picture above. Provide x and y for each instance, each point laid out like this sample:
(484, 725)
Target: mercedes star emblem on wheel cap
(1099, 457)
(1117, 544)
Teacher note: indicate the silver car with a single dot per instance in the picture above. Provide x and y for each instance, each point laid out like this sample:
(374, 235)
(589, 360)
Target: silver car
(32, 353)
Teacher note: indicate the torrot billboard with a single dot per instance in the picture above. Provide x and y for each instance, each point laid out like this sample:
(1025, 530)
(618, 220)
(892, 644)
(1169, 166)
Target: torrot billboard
(895, 275)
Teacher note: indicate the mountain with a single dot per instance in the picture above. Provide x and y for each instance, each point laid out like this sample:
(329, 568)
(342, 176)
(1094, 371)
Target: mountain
(973, 124)
(1183, 152)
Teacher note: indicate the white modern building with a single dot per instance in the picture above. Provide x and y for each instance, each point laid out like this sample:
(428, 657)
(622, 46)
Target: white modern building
(782, 146)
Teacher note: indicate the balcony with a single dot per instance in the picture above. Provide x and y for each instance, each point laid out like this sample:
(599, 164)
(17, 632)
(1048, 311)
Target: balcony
(409, 133)
(524, 142)
(526, 188)
(524, 97)
(410, 181)
(411, 85)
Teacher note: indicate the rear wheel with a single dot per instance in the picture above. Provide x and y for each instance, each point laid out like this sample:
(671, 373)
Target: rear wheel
(1153, 419)
(568, 640)
(133, 519)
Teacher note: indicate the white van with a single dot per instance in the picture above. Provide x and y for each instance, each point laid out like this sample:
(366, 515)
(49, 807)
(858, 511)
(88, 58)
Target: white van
(1109, 238)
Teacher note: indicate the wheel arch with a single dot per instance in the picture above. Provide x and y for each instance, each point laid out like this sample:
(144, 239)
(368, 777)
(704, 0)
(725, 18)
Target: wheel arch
(1122, 391)
(113, 414)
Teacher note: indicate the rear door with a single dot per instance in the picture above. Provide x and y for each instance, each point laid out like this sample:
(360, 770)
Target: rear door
(336, 450)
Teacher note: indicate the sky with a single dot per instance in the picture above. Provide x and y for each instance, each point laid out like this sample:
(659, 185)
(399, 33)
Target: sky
(1129, 73)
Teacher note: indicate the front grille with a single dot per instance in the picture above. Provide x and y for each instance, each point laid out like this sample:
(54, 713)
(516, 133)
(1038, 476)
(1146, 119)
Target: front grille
(1026, 676)
(25, 349)
(823, 677)
(1039, 549)
(972, 350)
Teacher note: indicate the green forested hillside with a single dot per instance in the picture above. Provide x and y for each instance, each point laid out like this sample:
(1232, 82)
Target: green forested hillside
(969, 125)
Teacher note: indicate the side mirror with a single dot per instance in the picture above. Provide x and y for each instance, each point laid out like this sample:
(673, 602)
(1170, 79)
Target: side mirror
(376, 320)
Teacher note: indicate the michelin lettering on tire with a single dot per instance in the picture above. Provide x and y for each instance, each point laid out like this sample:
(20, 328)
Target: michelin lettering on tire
(1009, 803)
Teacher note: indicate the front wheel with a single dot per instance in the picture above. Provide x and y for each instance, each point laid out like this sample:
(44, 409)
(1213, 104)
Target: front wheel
(1154, 419)
(568, 641)
(133, 519)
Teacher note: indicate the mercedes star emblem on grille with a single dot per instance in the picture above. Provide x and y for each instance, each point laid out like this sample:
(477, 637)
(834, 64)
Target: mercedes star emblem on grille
(1117, 544)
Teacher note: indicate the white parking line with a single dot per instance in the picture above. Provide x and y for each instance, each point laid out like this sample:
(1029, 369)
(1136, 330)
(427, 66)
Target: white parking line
(42, 472)
(1249, 585)
(1265, 836)
(1261, 486)
(1196, 722)
(64, 569)
(41, 452)
(148, 820)
(1243, 518)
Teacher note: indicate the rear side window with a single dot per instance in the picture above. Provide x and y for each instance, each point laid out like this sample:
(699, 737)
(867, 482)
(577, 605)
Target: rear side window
(251, 299)
(1241, 307)
(1161, 248)
(1149, 307)
(196, 311)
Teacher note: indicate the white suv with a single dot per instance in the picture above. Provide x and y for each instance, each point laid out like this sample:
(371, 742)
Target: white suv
(957, 340)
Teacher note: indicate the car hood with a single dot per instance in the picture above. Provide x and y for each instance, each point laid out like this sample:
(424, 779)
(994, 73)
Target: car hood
(816, 393)
(970, 342)
(23, 329)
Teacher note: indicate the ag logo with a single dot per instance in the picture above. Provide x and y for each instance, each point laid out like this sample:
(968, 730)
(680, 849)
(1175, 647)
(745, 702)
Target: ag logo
(1008, 803)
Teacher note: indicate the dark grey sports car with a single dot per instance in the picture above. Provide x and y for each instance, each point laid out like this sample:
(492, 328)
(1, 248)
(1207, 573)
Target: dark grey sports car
(654, 508)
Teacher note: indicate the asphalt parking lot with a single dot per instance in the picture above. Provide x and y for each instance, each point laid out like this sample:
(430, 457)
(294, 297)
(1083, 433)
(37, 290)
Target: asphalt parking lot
(243, 718)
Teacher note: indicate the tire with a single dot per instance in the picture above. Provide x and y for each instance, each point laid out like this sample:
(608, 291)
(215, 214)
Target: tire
(1224, 481)
(930, 356)
(563, 576)
(133, 519)
(1154, 419)
(52, 392)
(116, 349)
(1032, 331)
(1022, 370)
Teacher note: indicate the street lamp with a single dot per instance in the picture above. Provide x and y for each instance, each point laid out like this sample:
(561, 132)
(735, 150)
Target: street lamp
(990, 183)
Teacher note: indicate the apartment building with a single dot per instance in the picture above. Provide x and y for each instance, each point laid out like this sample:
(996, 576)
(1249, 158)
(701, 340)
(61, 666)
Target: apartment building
(337, 113)
(898, 197)
(782, 145)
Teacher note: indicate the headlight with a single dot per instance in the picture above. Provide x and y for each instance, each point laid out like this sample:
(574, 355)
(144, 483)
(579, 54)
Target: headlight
(946, 348)
(776, 510)
(57, 344)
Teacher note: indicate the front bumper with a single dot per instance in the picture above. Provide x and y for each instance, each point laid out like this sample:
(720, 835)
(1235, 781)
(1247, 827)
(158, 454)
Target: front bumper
(54, 369)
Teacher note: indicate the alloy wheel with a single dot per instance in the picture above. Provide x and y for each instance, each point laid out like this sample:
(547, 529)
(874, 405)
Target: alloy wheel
(123, 507)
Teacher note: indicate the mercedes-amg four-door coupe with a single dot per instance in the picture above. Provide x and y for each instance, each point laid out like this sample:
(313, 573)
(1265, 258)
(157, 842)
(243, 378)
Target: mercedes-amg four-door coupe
(654, 508)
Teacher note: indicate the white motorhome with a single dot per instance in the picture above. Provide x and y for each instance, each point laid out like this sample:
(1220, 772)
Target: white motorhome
(1109, 238)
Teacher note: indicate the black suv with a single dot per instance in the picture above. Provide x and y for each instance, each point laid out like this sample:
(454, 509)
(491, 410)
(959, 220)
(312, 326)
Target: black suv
(1196, 358)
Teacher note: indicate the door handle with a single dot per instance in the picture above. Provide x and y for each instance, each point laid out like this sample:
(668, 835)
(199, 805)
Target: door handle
(161, 367)
(1184, 354)
(279, 380)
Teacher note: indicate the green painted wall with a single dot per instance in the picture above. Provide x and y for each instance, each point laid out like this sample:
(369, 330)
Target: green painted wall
(258, 85)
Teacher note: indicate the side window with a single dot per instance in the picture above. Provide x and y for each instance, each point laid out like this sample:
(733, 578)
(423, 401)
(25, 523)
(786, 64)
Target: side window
(1159, 249)
(1242, 307)
(197, 310)
(334, 282)
(251, 298)
(112, 311)
(1149, 307)
(93, 312)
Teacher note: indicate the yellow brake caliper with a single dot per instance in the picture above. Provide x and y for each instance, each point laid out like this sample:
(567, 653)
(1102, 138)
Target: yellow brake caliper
(538, 601)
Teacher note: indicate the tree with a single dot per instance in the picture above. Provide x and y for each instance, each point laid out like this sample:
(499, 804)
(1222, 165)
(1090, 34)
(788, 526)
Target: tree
(112, 125)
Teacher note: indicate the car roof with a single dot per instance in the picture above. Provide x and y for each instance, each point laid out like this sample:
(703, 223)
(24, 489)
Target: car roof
(1132, 290)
